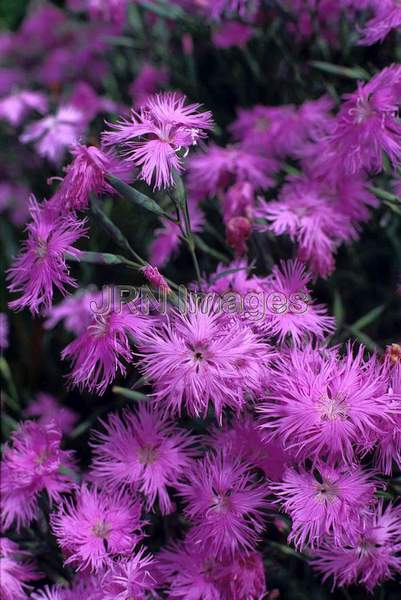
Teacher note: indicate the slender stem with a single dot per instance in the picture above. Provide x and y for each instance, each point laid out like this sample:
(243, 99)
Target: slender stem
(181, 202)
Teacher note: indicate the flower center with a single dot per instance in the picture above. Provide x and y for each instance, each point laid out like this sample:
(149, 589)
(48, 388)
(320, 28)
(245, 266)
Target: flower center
(101, 529)
(326, 491)
(41, 248)
(333, 408)
(147, 455)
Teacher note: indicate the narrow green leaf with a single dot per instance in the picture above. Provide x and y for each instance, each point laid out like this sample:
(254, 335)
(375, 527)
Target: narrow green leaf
(227, 272)
(12, 397)
(351, 73)
(211, 251)
(138, 198)
(338, 309)
(103, 258)
(129, 394)
(384, 194)
(369, 318)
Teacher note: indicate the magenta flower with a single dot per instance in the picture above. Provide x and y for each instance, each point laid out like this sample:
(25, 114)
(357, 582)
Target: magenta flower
(147, 83)
(328, 501)
(225, 503)
(282, 130)
(41, 266)
(167, 238)
(366, 127)
(130, 578)
(4, 332)
(232, 33)
(201, 357)
(49, 410)
(155, 135)
(194, 573)
(372, 559)
(54, 133)
(218, 168)
(245, 440)
(293, 313)
(243, 577)
(75, 311)
(387, 17)
(99, 352)
(15, 107)
(324, 404)
(97, 526)
(32, 464)
(305, 213)
(86, 175)
(16, 569)
(388, 451)
(190, 572)
(143, 450)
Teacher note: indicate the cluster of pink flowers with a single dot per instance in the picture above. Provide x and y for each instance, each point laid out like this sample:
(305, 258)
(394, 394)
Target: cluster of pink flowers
(246, 407)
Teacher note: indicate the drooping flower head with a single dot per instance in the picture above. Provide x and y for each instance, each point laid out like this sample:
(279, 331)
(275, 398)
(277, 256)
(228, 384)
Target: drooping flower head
(203, 356)
(33, 463)
(155, 135)
(326, 501)
(16, 569)
(97, 526)
(142, 450)
(87, 175)
(41, 266)
(373, 558)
